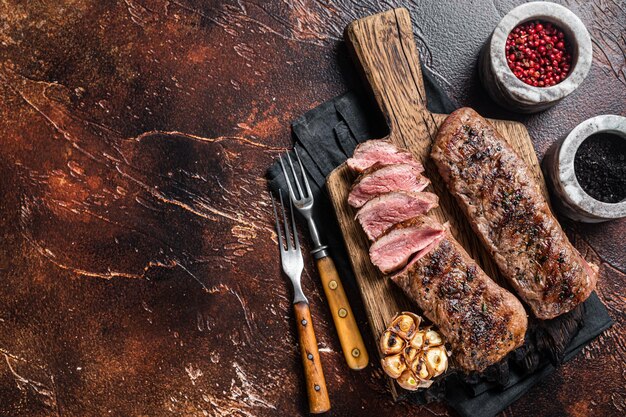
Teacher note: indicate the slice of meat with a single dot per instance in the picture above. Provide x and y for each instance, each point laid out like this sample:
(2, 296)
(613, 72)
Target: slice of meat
(393, 249)
(379, 180)
(382, 212)
(382, 152)
(423, 252)
(482, 321)
(506, 208)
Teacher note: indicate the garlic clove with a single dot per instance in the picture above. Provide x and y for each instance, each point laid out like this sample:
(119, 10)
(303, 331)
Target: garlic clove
(404, 325)
(390, 343)
(417, 342)
(393, 365)
(410, 354)
(432, 338)
(417, 319)
(436, 360)
(408, 381)
(420, 369)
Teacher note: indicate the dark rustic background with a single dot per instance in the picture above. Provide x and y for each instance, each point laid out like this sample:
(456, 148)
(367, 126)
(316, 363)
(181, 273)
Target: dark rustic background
(138, 275)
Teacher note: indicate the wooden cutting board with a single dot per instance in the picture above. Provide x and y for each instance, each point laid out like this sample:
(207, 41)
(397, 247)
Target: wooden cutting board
(383, 45)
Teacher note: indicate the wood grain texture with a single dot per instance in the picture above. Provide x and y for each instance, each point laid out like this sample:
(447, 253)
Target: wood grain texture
(138, 272)
(313, 372)
(383, 45)
(352, 345)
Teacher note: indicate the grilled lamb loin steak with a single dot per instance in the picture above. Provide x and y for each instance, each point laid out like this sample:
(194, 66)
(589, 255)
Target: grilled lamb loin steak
(506, 208)
(393, 249)
(378, 180)
(382, 212)
(482, 321)
(382, 152)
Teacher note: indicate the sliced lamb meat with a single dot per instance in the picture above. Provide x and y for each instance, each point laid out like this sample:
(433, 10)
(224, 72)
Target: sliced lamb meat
(380, 152)
(379, 180)
(504, 204)
(482, 321)
(393, 249)
(382, 212)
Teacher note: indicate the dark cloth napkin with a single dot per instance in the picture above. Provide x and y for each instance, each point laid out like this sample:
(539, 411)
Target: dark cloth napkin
(325, 137)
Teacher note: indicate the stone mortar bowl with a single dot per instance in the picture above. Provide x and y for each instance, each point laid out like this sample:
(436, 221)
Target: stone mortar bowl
(509, 91)
(568, 196)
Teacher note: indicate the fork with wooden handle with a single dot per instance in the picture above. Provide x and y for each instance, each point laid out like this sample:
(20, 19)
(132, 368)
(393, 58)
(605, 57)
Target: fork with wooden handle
(293, 264)
(349, 335)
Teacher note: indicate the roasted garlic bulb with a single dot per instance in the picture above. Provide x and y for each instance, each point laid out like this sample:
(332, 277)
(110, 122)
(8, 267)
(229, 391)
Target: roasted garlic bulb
(413, 356)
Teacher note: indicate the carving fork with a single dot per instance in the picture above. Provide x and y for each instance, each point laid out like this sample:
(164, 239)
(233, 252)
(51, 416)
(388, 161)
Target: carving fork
(292, 263)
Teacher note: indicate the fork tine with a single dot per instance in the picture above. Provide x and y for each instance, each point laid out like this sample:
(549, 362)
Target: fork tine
(293, 224)
(295, 177)
(282, 165)
(306, 180)
(278, 232)
(287, 234)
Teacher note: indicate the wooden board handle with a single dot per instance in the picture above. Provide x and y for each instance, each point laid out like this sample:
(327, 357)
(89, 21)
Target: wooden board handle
(313, 372)
(383, 45)
(349, 335)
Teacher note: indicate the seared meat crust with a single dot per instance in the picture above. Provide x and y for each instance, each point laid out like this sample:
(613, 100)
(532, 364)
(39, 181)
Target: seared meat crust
(507, 210)
(482, 321)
